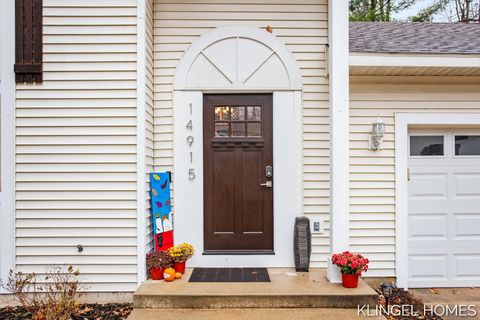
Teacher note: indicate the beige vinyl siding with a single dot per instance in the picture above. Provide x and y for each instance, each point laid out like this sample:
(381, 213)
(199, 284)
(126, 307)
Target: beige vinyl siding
(302, 26)
(76, 146)
(372, 178)
(149, 117)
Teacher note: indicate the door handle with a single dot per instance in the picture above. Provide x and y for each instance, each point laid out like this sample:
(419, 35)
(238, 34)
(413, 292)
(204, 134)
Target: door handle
(267, 184)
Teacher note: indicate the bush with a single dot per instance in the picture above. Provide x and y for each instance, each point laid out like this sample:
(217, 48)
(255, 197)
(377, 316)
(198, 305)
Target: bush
(350, 263)
(159, 260)
(51, 297)
(181, 252)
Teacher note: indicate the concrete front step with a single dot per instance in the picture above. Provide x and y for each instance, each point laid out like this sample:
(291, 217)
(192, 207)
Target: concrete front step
(287, 289)
(250, 314)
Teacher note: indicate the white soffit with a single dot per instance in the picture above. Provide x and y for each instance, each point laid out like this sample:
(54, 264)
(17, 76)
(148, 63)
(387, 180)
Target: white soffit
(414, 64)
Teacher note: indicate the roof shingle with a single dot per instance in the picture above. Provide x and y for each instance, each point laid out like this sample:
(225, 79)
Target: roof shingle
(415, 37)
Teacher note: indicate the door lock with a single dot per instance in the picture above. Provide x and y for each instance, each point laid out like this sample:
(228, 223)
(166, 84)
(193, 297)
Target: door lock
(268, 171)
(267, 184)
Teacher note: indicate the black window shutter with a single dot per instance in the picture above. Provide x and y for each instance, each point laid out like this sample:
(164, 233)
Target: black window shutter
(28, 40)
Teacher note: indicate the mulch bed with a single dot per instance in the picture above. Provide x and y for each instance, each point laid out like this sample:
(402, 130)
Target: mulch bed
(110, 311)
(401, 297)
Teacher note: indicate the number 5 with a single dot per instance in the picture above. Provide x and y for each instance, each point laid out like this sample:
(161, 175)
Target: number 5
(191, 174)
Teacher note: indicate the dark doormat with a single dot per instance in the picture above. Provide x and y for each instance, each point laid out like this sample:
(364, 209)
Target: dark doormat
(229, 275)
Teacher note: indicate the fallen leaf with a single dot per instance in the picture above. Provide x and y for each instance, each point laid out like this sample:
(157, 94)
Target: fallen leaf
(434, 291)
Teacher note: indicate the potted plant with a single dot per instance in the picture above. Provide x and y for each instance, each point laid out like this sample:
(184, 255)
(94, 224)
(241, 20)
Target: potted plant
(157, 262)
(180, 254)
(351, 266)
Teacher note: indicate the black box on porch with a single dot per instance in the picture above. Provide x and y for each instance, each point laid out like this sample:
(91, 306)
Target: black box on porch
(302, 244)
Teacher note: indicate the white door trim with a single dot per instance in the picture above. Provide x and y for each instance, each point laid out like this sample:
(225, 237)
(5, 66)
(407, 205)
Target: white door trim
(188, 194)
(402, 121)
(7, 152)
(206, 67)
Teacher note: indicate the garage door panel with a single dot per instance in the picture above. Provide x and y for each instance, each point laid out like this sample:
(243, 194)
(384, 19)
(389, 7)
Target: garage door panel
(466, 226)
(428, 185)
(467, 185)
(421, 267)
(466, 266)
(428, 226)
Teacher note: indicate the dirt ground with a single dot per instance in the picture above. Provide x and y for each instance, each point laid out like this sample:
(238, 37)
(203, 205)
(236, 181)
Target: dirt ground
(111, 311)
(450, 297)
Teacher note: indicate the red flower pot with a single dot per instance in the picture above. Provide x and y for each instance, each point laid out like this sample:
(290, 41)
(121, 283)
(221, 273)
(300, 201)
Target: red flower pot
(179, 266)
(156, 273)
(349, 280)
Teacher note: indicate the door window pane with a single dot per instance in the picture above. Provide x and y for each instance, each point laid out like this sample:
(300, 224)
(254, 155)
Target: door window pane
(254, 113)
(467, 145)
(221, 129)
(238, 129)
(426, 146)
(254, 129)
(237, 113)
(222, 113)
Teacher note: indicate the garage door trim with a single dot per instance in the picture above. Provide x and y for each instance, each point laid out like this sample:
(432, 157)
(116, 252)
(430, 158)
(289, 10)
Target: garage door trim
(402, 122)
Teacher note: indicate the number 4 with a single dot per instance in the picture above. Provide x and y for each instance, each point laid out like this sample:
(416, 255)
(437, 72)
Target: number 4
(189, 125)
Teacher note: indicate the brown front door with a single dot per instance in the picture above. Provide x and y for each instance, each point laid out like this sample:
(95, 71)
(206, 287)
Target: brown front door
(238, 162)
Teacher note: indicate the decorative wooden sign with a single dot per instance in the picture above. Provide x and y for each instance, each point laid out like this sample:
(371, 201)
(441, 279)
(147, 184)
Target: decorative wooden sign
(161, 208)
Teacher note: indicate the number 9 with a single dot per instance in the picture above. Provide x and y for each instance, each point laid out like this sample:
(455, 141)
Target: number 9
(190, 140)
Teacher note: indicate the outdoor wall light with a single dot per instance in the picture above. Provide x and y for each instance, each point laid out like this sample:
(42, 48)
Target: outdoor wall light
(378, 132)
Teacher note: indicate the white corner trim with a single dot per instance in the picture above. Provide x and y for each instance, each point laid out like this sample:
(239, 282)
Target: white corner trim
(7, 152)
(298, 147)
(225, 32)
(141, 136)
(414, 60)
(402, 121)
(339, 131)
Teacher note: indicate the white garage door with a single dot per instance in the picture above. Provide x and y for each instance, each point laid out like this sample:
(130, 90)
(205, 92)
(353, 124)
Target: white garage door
(444, 209)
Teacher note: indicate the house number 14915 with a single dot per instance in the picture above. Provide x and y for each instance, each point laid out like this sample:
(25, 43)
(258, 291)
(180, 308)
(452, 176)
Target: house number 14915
(190, 140)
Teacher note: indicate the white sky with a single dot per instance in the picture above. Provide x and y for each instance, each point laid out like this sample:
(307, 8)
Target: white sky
(411, 11)
(417, 7)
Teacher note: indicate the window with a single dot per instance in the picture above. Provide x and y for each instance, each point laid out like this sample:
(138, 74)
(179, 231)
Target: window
(467, 145)
(28, 40)
(426, 145)
(238, 121)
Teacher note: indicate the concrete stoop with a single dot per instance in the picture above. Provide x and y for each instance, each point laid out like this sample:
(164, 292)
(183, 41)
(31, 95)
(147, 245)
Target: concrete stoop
(249, 314)
(289, 295)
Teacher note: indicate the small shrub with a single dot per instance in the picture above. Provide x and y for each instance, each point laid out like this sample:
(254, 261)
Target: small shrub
(51, 297)
(350, 263)
(159, 260)
(181, 252)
